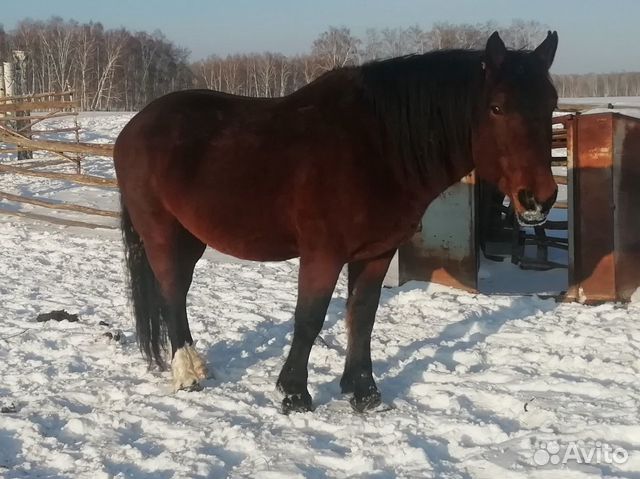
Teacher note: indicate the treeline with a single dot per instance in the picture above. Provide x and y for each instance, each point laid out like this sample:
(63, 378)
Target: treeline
(598, 84)
(115, 69)
(108, 68)
(273, 74)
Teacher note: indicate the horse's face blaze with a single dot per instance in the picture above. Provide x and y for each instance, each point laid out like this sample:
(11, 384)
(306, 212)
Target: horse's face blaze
(512, 131)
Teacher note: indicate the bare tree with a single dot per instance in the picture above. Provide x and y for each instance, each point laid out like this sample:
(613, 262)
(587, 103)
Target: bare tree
(114, 43)
(58, 41)
(231, 74)
(336, 48)
(84, 59)
(265, 74)
(418, 39)
(523, 34)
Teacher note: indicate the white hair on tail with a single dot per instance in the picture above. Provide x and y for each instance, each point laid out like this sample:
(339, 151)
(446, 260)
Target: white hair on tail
(188, 368)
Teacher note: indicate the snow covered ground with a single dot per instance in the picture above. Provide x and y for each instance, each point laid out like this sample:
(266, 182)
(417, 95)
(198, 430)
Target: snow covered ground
(475, 386)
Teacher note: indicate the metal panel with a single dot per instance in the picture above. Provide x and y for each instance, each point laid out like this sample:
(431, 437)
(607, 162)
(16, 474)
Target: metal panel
(572, 141)
(593, 262)
(626, 193)
(604, 162)
(444, 251)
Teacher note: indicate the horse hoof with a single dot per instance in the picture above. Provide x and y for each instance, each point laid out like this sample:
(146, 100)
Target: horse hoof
(194, 387)
(188, 368)
(366, 403)
(296, 403)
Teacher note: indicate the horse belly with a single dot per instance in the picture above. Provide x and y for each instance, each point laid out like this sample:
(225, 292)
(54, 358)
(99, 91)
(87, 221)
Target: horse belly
(250, 235)
(261, 248)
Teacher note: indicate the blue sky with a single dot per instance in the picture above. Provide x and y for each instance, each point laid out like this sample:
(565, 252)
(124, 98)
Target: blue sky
(595, 35)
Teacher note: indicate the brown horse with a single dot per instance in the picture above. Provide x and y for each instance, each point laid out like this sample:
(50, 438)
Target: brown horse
(339, 172)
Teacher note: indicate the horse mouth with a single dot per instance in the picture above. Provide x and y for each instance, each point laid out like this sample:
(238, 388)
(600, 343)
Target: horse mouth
(531, 218)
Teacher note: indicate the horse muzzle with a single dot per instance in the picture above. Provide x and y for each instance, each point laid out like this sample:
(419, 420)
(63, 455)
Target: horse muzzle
(533, 212)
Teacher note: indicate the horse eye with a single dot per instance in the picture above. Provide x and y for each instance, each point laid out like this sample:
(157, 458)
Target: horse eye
(496, 110)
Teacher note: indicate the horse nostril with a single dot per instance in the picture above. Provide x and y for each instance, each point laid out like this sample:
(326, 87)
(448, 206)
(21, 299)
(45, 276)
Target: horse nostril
(527, 200)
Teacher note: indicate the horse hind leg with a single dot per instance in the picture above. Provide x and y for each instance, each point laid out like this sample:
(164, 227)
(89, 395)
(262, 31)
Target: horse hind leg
(188, 367)
(161, 264)
(176, 262)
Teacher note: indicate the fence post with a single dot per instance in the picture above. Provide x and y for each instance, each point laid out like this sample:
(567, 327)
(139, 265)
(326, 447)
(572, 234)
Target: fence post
(9, 87)
(9, 84)
(20, 80)
(2, 88)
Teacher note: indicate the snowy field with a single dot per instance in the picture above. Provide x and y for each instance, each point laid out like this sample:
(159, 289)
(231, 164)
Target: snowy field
(475, 386)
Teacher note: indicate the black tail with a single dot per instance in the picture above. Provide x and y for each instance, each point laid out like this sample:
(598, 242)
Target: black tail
(145, 294)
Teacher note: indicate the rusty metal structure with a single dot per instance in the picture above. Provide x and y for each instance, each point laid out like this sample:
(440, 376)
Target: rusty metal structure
(444, 250)
(604, 217)
(603, 202)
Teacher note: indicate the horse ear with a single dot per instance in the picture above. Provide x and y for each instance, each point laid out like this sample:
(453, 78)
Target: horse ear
(546, 51)
(495, 51)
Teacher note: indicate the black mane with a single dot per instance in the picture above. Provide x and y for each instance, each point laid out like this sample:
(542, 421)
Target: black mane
(427, 104)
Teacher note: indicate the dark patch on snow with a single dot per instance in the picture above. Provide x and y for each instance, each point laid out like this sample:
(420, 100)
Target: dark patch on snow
(58, 315)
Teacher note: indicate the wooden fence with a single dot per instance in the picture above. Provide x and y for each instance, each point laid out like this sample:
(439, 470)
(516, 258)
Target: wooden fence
(21, 133)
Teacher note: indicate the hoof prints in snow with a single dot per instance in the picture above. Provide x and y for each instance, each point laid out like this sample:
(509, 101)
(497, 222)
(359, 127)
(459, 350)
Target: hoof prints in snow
(455, 370)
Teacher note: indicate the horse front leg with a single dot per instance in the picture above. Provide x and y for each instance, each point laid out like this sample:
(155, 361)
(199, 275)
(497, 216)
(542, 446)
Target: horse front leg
(316, 281)
(365, 282)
